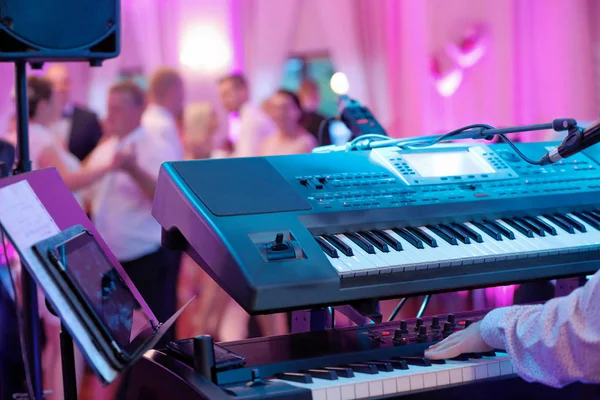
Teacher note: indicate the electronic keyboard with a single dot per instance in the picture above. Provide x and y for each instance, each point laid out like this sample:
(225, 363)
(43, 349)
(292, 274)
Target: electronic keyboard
(303, 231)
(368, 362)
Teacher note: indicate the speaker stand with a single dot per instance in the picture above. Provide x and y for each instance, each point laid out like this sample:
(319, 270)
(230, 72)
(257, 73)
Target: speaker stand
(31, 320)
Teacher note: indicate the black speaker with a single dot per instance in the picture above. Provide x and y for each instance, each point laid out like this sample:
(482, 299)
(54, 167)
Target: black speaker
(59, 30)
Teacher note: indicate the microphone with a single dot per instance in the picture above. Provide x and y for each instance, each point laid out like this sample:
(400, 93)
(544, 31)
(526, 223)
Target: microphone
(577, 140)
(358, 118)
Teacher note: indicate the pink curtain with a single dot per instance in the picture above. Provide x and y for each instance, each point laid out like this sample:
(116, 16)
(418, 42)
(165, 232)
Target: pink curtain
(538, 62)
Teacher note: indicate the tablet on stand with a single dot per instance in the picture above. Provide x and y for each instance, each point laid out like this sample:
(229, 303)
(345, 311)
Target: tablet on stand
(86, 286)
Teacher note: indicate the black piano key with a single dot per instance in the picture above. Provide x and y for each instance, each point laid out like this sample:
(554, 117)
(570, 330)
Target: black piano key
(424, 236)
(468, 231)
(326, 247)
(448, 237)
(342, 371)
(463, 237)
(326, 374)
(420, 361)
(397, 364)
(571, 221)
(595, 221)
(361, 242)
(545, 226)
(409, 237)
(504, 231)
(493, 233)
(375, 241)
(476, 356)
(519, 227)
(489, 353)
(439, 362)
(389, 239)
(461, 357)
(596, 213)
(382, 365)
(560, 223)
(537, 230)
(339, 244)
(295, 377)
(364, 368)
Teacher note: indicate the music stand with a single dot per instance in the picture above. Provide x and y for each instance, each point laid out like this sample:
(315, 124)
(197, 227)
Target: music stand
(36, 208)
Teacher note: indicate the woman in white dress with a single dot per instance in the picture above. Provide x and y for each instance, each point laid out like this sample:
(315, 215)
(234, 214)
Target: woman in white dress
(45, 150)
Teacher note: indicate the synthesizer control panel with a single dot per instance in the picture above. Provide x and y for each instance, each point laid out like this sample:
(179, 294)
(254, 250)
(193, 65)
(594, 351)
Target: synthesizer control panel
(301, 231)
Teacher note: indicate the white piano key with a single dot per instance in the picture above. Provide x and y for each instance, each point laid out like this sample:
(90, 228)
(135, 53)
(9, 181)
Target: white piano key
(403, 381)
(377, 262)
(357, 262)
(420, 258)
(570, 242)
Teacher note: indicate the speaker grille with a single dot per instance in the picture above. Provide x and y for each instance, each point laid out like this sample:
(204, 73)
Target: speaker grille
(58, 24)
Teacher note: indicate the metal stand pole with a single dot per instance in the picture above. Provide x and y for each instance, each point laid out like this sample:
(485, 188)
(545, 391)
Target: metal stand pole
(31, 320)
(67, 357)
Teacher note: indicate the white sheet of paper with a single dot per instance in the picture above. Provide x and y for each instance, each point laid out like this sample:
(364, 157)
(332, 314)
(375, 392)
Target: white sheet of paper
(24, 217)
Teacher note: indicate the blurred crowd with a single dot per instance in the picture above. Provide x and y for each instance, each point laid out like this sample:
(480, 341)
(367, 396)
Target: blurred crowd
(112, 165)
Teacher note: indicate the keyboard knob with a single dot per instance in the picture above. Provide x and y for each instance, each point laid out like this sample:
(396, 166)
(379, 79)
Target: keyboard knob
(467, 323)
(448, 329)
(400, 337)
(418, 324)
(397, 334)
(404, 327)
(451, 319)
(435, 323)
(422, 335)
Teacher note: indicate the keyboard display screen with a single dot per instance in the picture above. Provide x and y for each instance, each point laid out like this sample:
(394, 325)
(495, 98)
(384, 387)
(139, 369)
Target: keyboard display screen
(451, 163)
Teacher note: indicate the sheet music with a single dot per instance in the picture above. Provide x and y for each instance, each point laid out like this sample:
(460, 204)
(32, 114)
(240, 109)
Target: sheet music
(24, 217)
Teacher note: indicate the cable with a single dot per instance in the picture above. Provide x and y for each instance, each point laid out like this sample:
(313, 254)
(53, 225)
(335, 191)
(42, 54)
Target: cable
(19, 319)
(397, 309)
(323, 126)
(516, 150)
(423, 306)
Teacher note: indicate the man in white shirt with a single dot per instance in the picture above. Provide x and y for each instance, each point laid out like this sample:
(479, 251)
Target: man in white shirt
(255, 124)
(122, 201)
(165, 104)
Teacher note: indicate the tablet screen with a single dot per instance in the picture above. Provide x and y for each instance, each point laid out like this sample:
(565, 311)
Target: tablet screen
(107, 294)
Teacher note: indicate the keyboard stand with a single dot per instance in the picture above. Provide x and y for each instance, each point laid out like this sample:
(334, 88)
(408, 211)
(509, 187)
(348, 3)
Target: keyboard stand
(324, 318)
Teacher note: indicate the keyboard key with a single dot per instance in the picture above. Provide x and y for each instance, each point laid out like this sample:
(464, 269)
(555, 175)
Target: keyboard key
(295, 377)
(327, 374)
(387, 238)
(462, 236)
(421, 234)
(447, 236)
(397, 364)
(420, 361)
(363, 368)
(504, 231)
(468, 231)
(382, 365)
(534, 228)
(519, 227)
(375, 241)
(560, 223)
(409, 237)
(572, 222)
(489, 230)
(361, 242)
(326, 247)
(339, 244)
(546, 227)
(587, 219)
(342, 371)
